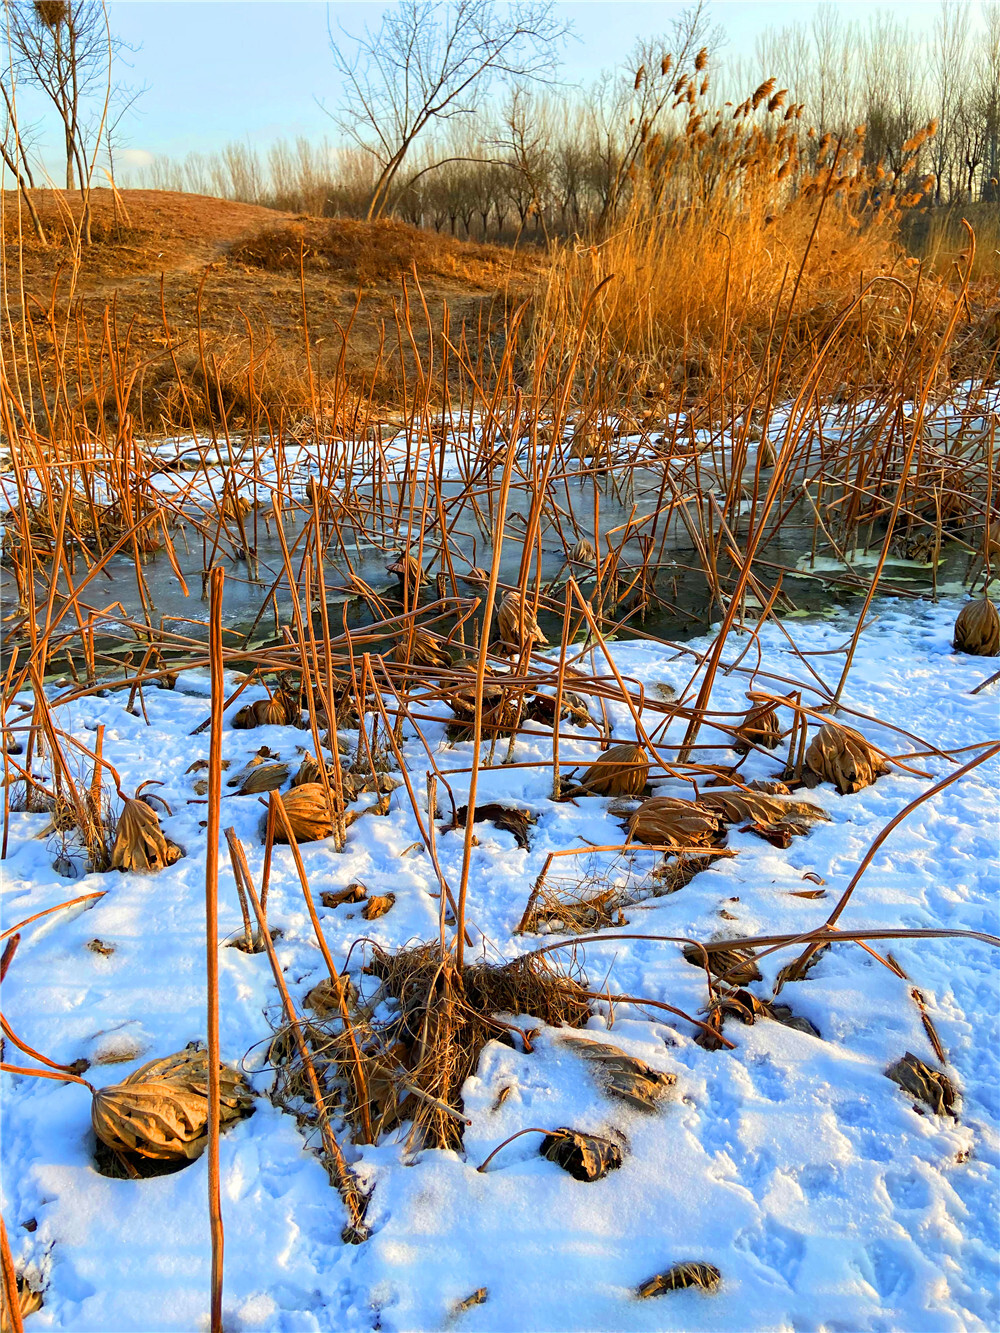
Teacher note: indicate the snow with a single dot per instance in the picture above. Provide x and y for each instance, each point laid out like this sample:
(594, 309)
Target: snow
(791, 1162)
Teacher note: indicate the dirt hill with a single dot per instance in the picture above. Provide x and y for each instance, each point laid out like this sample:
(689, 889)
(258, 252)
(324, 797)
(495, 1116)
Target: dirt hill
(153, 252)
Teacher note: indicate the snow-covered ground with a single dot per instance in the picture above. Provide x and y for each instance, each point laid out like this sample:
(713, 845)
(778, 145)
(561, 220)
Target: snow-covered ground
(791, 1163)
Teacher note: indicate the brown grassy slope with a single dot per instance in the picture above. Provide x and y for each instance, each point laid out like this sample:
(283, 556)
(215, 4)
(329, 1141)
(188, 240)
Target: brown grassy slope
(248, 260)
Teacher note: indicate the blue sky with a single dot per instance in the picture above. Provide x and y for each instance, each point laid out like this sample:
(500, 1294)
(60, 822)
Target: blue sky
(226, 69)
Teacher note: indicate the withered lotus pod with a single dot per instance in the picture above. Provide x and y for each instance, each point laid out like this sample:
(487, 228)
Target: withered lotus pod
(842, 756)
(704, 1276)
(309, 814)
(927, 1085)
(139, 841)
(161, 1111)
(586, 1157)
(517, 624)
(621, 771)
(421, 650)
(977, 629)
(759, 727)
(670, 821)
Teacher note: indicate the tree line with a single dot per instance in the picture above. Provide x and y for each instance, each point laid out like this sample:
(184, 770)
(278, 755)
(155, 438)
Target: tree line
(452, 115)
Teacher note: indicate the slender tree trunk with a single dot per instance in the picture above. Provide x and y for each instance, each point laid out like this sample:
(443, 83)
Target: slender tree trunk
(24, 189)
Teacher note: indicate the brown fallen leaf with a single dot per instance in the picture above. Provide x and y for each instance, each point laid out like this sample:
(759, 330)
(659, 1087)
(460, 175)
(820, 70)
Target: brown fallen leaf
(354, 893)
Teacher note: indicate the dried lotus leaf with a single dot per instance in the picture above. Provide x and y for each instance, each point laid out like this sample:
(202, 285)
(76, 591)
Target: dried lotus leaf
(736, 965)
(309, 814)
(977, 629)
(309, 771)
(670, 821)
(263, 777)
(621, 771)
(139, 841)
(378, 905)
(517, 624)
(421, 649)
(583, 553)
(28, 1301)
(928, 1085)
(161, 1111)
(706, 1277)
(354, 893)
(245, 718)
(759, 727)
(842, 756)
(739, 807)
(278, 711)
(407, 569)
(586, 1157)
(624, 1076)
(509, 818)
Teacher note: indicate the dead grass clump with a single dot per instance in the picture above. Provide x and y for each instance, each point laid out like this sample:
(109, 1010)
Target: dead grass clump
(977, 629)
(371, 252)
(445, 1019)
(706, 1277)
(677, 872)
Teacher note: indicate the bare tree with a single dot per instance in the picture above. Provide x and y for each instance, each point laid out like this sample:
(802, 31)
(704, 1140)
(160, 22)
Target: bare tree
(430, 62)
(66, 49)
(14, 150)
(948, 51)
